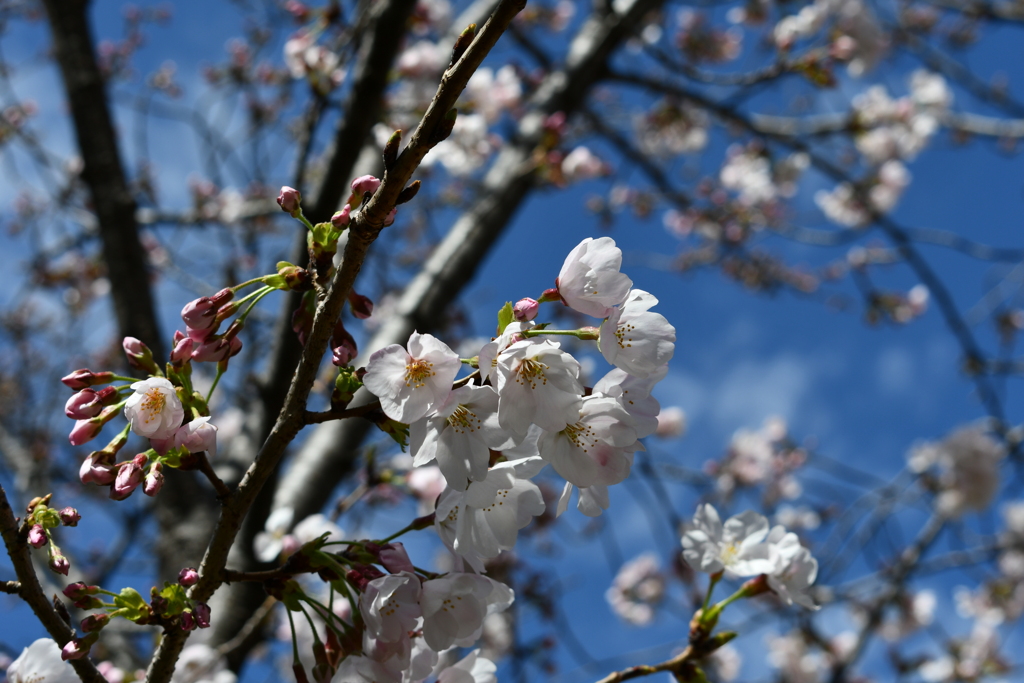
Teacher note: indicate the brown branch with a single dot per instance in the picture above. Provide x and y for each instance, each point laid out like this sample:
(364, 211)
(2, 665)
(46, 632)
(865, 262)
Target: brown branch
(327, 416)
(31, 591)
(103, 173)
(363, 230)
(223, 492)
(676, 664)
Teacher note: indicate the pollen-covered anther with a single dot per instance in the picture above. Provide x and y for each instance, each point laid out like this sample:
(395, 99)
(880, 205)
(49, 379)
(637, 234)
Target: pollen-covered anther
(530, 372)
(580, 435)
(620, 333)
(153, 404)
(418, 372)
(464, 420)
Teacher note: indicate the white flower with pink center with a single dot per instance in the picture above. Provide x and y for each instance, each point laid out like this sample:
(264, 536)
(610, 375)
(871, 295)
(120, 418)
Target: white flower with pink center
(41, 662)
(597, 447)
(390, 606)
(410, 383)
(590, 281)
(154, 410)
(538, 383)
(460, 435)
(635, 339)
(485, 519)
(738, 545)
(455, 605)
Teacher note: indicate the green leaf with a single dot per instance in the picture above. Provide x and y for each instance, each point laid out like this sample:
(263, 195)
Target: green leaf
(505, 317)
(176, 599)
(398, 431)
(133, 605)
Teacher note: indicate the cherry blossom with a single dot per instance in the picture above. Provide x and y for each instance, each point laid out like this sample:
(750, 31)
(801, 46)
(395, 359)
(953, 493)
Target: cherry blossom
(736, 546)
(470, 669)
(635, 339)
(592, 501)
(634, 393)
(454, 607)
(459, 435)
(41, 662)
(590, 281)
(486, 518)
(597, 447)
(390, 606)
(637, 589)
(410, 383)
(538, 383)
(197, 436)
(154, 410)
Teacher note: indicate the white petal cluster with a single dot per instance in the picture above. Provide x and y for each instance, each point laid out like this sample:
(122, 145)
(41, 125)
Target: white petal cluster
(590, 281)
(967, 465)
(154, 410)
(41, 662)
(745, 546)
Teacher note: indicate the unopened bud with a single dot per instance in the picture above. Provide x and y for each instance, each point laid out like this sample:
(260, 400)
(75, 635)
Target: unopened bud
(391, 149)
(202, 614)
(188, 576)
(98, 468)
(84, 377)
(69, 516)
(188, 622)
(139, 356)
(129, 476)
(366, 184)
(342, 218)
(525, 309)
(58, 563)
(462, 44)
(343, 346)
(85, 431)
(37, 536)
(182, 350)
(289, 199)
(79, 590)
(395, 558)
(94, 622)
(154, 480)
(408, 193)
(75, 649)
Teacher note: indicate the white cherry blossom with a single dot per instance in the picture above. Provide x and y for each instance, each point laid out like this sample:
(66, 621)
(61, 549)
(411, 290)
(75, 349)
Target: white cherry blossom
(487, 517)
(487, 359)
(460, 435)
(470, 669)
(597, 447)
(794, 569)
(590, 281)
(538, 383)
(154, 410)
(41, 662)
(635, 339)
(737, 545)
(637, 589)
(390, 606)
(454, 607)
(410, 383)
(634, 393)
(592, 501)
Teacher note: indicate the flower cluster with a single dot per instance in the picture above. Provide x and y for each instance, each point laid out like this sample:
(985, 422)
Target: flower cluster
(744, 545)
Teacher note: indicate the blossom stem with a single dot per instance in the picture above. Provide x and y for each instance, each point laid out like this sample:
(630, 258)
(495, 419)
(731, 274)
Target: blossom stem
(304, 220)
(295, 642)
(258, 294)
(715, 578)
(216, 380)
(584, 334)
(247, 283)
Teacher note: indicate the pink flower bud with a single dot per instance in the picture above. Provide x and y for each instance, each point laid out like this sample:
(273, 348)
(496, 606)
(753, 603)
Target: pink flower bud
(79, 590)
(73, 650)
(288, 200)
(59, 564)
(390, 218)
(342, 218)
(69, 516)
(138, 354)
(201, 314)
(202, 613)
(94, 622)
(182, 350)
(362, 306)
(395, 559)
(188, 622)
(84, 377)
(297, 9)
(88, 403)
(85, 431)
(343, 346)
(197, 436)
(128, 478)
(37, 536)
(525, 309)
(154, 480)
(212, 351)
(366, 184)
(97, 469)
(188, 576)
